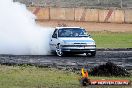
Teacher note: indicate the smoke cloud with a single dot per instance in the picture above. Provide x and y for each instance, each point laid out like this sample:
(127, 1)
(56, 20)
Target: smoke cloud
(19, 34)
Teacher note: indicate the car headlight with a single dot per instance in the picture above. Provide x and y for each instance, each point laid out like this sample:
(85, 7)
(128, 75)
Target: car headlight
(91, 43)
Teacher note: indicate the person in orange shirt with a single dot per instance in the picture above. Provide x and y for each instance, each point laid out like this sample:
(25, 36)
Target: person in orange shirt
(84, 80)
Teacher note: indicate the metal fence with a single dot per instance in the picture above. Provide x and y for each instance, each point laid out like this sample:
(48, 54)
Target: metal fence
(79, 3)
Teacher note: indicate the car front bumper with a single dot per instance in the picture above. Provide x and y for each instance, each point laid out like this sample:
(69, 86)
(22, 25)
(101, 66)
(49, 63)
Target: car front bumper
(79, 48)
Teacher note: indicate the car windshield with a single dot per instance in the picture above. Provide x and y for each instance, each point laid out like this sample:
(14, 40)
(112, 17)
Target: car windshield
(72, 32)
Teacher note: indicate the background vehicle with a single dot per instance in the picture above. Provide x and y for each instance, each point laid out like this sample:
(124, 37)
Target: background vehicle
(72, 40)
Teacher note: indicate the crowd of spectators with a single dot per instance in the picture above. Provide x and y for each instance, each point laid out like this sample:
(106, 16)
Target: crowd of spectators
(78, 3)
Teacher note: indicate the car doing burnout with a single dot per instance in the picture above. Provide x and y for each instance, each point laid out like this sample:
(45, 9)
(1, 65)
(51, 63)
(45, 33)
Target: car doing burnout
(72, 40)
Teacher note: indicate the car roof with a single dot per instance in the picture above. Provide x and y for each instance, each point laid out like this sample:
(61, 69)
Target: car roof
(66, 27)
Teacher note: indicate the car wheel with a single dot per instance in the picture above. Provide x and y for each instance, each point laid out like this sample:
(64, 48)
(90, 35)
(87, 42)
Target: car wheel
(92, 54)
(59, 51)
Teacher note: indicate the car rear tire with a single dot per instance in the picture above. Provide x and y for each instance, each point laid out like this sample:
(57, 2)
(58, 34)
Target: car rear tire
(93, 54)
(59, 51)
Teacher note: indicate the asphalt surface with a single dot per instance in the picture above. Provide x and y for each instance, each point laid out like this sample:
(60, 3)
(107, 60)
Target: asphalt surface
(73, 62)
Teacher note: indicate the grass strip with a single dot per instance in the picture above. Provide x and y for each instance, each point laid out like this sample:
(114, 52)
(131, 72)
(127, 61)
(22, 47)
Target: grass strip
(112, 39)
(34, 77)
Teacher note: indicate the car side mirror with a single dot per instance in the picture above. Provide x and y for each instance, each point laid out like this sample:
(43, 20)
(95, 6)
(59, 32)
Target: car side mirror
(89, 36)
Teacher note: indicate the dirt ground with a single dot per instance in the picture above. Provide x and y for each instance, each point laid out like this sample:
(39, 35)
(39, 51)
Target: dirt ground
(121, 58)
(90, 26)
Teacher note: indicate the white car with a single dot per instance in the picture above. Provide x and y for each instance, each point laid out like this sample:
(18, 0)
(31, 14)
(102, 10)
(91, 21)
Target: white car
(72, 40)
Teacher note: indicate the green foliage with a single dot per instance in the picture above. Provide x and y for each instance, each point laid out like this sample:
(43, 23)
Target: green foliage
(112, 39)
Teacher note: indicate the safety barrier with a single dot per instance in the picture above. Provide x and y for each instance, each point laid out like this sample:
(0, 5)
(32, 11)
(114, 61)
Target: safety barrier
(83, 14)
(128, 16)
(106, 15)
(119, 16)
(41, 13)
(62, 13)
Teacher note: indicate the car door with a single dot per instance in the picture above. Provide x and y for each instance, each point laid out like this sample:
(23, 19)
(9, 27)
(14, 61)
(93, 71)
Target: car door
(53, 41)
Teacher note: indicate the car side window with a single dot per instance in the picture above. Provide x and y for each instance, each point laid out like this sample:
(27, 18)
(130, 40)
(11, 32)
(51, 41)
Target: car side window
(54, 34)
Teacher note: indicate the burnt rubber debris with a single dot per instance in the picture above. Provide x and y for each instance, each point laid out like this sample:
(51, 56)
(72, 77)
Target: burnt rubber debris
(109, 69)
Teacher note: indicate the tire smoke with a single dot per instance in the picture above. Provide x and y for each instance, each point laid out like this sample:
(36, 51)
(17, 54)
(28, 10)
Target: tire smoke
(19, 34)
